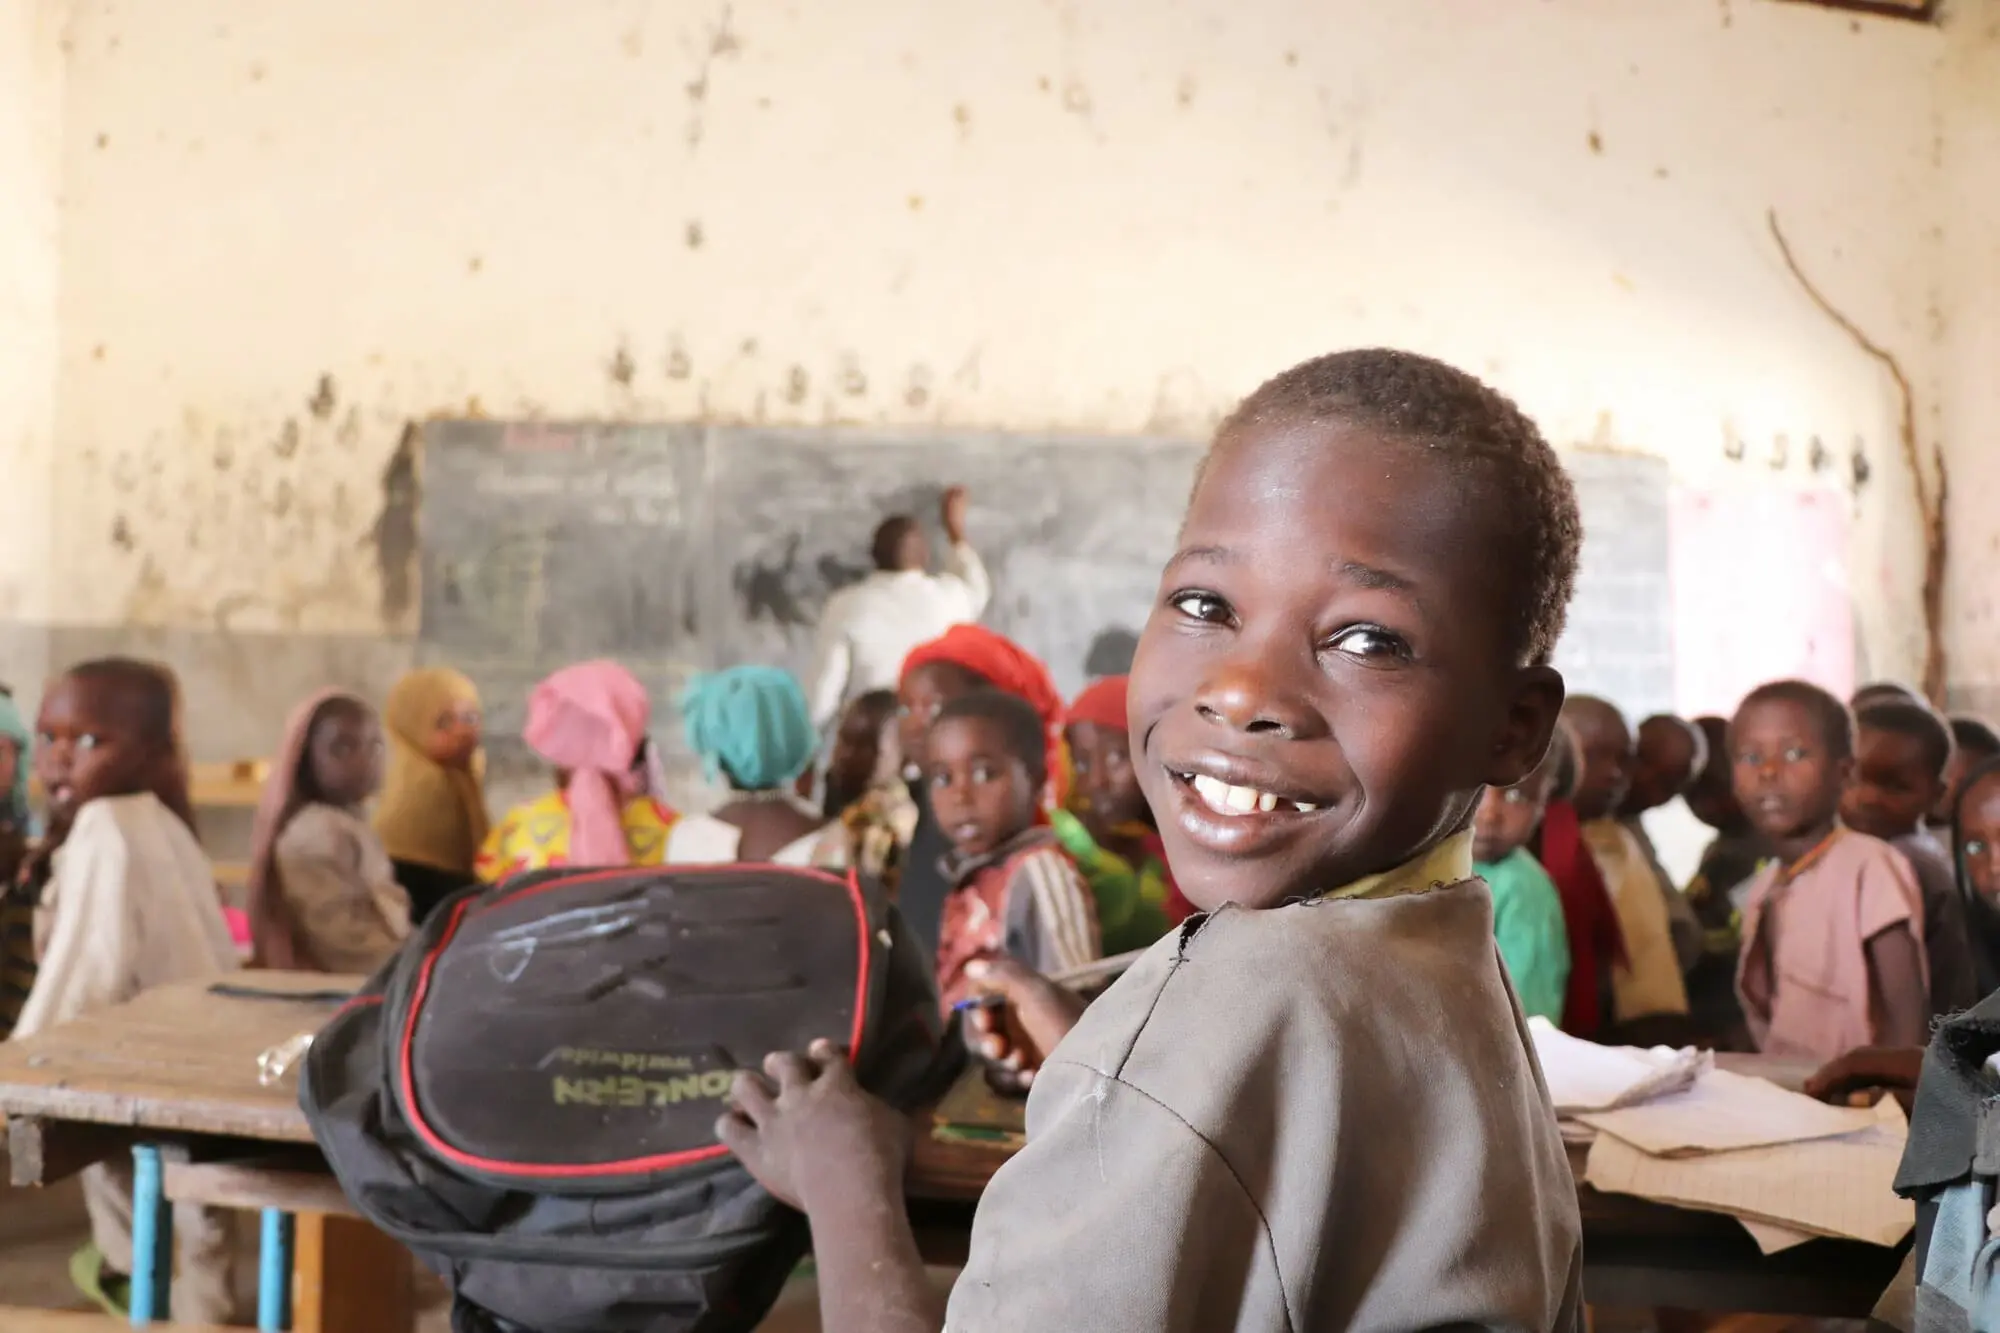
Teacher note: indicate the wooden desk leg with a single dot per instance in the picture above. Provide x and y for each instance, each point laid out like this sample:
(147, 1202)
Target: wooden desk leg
(350, 1278)
(152, 1238)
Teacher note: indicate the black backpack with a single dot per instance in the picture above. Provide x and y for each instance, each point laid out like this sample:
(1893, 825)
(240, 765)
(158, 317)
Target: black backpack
(525, 1096)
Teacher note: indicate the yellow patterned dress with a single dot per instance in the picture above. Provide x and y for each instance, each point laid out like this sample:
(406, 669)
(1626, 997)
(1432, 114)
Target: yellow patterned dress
(535, 836)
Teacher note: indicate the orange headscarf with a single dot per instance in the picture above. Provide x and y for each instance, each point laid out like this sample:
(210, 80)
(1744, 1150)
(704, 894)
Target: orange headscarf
(1011, 669)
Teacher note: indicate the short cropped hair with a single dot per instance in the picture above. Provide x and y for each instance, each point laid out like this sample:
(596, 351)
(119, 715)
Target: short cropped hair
(1020, 725)
(1915, 720)
(887, 547)
(1975, 738)
(1829, 714)
(1523, 489)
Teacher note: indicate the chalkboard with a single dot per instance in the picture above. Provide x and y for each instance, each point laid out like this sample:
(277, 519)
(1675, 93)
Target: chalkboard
(677, 548)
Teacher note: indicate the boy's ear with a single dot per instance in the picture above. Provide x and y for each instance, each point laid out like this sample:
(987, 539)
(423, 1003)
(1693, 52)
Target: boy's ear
(1523, 739)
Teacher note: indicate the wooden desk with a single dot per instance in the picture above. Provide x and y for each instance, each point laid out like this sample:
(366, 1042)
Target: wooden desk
(178, 1066)
(1636, 1253)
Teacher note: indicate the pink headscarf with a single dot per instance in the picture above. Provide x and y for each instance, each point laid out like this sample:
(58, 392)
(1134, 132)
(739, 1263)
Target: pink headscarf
(590, 719)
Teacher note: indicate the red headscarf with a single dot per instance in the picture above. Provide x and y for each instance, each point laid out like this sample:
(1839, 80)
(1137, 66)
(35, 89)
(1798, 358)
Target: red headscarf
(1595, 941)
(1102, 704)
(1007, 667)
(274, 934)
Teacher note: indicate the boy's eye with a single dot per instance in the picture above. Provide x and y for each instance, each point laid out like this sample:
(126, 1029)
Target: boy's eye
(984, 773)
(1202, 606)
(1371, 643)
(1514, 796)
(86, 742)
(1975, 847)
(1795, 754)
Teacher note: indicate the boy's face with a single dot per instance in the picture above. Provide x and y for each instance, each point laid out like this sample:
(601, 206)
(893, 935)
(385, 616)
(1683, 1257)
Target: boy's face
(1787, 780)
(1603, 757)
(88, 747)
(345, 751)
(1102, 760)
(454, 735)
(1894, 785)
(1507, 817)
(1979, 835)
(1322, 686)
(1663, 764)
(920, 695)
(1712, 798)
(981, 793)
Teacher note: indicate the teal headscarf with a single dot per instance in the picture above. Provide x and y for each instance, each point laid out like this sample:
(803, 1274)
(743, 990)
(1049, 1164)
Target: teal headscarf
(15, 729)
(751, 725)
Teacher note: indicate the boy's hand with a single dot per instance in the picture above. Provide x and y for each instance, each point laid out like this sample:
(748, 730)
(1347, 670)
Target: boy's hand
(1015, 1039)
(952, 513)
(1893, 1068)
(808, 1132)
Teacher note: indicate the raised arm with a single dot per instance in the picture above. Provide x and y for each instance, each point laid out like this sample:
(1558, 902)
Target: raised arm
(962, 565)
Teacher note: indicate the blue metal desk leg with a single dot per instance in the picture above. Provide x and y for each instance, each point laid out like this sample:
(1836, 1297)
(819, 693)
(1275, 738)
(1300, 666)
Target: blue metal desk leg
(274, 1273)
(152, 1238)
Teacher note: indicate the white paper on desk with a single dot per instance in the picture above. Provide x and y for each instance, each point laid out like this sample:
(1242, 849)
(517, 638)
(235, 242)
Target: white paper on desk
(1772, 1238)
(1723, 1112)
(1583, 1076)
(1829, 1187)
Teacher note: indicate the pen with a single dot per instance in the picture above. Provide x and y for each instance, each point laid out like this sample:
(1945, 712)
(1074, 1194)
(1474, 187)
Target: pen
(979, 1002)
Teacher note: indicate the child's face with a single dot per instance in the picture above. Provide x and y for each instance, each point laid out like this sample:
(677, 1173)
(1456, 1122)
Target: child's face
(1662, 764)
(857, 747)
(1323, 686)
(981, 793)
(1979, 837)
(454, 735)
(1894, 785)
(1604, 758)
(1102, 760)
(1787, 780)
(87, 747)
(1508, 816)
(920, 695)
(345, 752)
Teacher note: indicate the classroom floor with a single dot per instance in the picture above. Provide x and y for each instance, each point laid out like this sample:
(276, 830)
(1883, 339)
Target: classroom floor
(40, 1229)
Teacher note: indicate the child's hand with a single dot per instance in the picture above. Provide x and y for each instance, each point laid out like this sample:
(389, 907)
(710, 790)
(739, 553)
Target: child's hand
(1016, 1038)
(808, 1131)
(1892, 1068)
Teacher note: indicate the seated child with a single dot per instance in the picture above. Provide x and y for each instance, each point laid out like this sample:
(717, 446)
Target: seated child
(1669, 753)
(1590, 922)
(1881, 691)
(126, 901)
(1527, 914)
(1014, 891)
(863, 756)
(1109, 830)
(1316, 1106)
(323, 896)
(1972, 743)
(1975, 840)
(903, 844)
(589, 722)
(1832, 929)
(1901, 751)
(432, 815)
(1648, 984)
(749, 728)
(1721, 881)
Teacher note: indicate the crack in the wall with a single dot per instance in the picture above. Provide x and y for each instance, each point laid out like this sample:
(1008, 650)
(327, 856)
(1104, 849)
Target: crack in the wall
(1930, 504)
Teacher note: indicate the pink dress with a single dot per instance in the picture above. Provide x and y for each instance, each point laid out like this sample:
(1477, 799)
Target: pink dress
(1803, 972)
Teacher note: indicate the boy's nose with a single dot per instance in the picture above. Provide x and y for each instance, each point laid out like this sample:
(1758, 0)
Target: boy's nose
(1241, 697)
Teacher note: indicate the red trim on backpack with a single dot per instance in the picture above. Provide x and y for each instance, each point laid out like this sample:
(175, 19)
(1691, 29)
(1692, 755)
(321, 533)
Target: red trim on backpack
(663, 1161)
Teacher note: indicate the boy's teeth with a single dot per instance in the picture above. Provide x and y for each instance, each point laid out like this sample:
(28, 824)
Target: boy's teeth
(1224, 799)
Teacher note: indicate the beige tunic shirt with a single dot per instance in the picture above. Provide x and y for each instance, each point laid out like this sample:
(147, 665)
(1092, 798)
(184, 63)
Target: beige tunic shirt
(131, 904)
(1649, 981)
(341, 888)
(1325, 1116)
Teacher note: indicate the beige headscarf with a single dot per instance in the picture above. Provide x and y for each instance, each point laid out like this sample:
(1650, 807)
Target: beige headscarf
(429, 814)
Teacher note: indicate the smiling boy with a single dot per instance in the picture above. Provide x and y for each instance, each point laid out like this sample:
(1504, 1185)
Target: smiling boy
(1316, 1106)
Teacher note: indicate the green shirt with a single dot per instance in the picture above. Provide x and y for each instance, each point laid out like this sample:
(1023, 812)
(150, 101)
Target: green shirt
(1528, 924)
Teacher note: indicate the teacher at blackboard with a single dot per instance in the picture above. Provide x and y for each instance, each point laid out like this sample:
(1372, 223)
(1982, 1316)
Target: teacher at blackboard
(868, 628)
